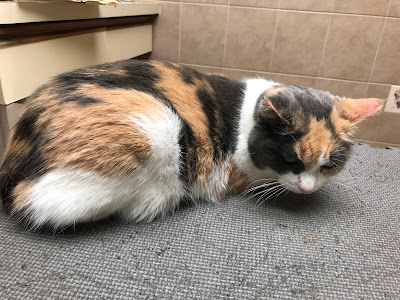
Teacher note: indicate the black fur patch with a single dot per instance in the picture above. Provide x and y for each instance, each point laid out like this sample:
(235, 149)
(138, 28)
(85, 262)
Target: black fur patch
(331, 127)
(210, 108)
(229, 94)
(189, 75)
(138, 75)
(29, 165)
(80, 99)
(268, 149)
(188, 148)
(25, 129)
(312, 102)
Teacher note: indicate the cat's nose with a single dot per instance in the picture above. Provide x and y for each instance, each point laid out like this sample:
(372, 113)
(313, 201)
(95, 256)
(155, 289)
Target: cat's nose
(306, 183)
(305, 190)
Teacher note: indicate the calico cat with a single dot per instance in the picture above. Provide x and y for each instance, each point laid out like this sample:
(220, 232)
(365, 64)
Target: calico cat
(134, 138)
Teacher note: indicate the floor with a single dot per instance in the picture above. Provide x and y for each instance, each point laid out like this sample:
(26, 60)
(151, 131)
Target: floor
(339, 243)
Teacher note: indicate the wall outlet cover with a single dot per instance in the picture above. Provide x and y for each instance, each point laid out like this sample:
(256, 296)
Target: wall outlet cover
(393, 101)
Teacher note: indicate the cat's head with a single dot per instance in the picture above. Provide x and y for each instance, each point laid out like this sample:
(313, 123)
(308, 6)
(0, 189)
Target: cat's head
(304, 135)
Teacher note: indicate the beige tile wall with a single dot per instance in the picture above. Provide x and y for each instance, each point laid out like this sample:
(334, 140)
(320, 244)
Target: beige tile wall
(350, 48)
(339, 45)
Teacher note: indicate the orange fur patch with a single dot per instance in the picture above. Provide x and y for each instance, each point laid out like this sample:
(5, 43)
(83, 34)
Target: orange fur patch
(283, 90)
(106, 69)
(20, 194)
(275, 90)
(184, 98)
(342, 126)
(128, 102)
(100, 137)
(318, 141)
(299, 121)
(238, 180)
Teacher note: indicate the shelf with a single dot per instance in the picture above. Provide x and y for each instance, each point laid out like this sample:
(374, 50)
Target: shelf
(40, 40)
(15, 13)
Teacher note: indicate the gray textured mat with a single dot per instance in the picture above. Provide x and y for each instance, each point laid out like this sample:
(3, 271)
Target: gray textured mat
(339, 243)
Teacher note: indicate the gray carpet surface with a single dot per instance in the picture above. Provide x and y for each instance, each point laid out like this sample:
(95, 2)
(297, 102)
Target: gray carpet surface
(339, 243)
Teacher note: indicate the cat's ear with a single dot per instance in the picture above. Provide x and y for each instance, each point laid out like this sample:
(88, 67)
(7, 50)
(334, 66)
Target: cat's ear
(356, 110)
(269, 113)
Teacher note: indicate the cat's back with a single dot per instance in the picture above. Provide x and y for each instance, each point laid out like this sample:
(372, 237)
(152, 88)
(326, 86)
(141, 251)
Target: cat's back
(108, 133)
(90, 134)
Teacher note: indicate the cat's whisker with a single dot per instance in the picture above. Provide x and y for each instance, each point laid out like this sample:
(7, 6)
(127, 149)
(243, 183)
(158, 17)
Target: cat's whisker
(270, 189)
(255, 189)
(281, 180)
(265, 192)
(274, 193)
(261, 198)
(295, 140)
(263, 185)
(349, 156)
(251, 183)
(276, 197)
(243, 194)
(339, 160)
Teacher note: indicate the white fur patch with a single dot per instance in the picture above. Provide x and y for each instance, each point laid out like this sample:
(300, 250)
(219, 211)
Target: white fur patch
(63, 197)
(66, 196)
(215, 185)
(160, 190)
(308, 180)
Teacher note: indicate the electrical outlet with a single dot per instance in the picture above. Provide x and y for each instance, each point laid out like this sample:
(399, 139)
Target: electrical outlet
(393, 101)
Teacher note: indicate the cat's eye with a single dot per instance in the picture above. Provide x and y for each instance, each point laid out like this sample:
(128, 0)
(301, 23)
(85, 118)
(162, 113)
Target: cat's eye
(290, 157)
(328, 166)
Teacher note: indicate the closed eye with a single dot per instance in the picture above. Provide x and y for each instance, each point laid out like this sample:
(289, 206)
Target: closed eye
(328, 166)
(336, 160)
(290, 158)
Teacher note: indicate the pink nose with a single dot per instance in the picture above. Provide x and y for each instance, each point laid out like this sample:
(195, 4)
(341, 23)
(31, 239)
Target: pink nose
(305, 190)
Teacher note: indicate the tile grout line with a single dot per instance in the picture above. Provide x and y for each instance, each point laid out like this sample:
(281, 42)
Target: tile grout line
(286, 74)
(325, 42)
(290, 10)
(226, 34)
(275, 33)
(333, 6)
(180, 32)
(377, 49)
